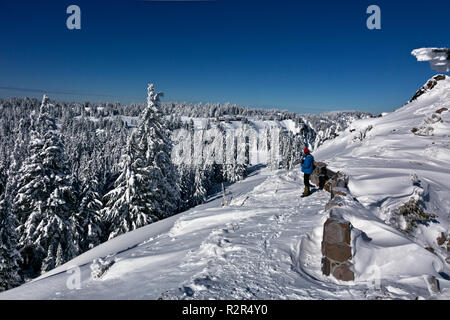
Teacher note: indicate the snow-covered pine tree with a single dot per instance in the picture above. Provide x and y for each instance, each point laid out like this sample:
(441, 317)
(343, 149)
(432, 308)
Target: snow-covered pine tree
(186, 184)
(59, 256)
(19, 151)
(88, 218)
(3, 176)
(44, 200)
(296, 147)
(291, 148)
(200, 192)
(9, 255)
(233, 170)
(147, 189)
(273, 144)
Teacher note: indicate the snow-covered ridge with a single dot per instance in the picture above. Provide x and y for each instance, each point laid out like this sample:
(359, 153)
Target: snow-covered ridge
(266, 243)
(428, 86)
(399, 169)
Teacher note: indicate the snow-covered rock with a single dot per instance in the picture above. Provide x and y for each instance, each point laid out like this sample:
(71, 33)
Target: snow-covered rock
(439, 58)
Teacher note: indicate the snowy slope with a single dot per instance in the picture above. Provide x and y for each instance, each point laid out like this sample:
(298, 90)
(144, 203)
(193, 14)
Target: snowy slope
(383, 156)
(248, 249)
(401, 156)
(266, 244)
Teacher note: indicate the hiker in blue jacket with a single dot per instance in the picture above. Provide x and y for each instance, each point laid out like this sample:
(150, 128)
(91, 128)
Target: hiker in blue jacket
(307, 169)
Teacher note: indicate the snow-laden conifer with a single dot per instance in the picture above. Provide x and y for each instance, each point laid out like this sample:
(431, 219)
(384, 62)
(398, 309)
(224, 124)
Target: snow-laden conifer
(147, 189)
(9, 256)
(44, 201)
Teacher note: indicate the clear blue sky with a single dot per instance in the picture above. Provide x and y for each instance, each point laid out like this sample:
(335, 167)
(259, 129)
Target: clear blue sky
(310, 56)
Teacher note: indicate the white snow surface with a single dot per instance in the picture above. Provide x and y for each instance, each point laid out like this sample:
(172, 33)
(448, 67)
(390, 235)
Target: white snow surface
(247, 250)
(266, 243)
(388, 165)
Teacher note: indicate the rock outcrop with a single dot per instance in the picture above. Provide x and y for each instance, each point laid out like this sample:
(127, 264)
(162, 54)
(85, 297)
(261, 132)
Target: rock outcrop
(443, 241)
(428, 86)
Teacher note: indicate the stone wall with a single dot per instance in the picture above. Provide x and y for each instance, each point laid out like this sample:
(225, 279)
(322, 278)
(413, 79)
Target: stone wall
(336, 241)
(336, 245)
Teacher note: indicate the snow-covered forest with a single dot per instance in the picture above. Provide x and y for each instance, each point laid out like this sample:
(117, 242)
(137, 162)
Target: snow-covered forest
(74, 175)
(383, 228)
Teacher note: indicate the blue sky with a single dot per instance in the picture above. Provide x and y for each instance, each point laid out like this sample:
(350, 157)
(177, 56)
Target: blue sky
(300, 56)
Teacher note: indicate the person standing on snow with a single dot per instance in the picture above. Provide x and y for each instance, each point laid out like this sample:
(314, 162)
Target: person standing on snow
(307, 169)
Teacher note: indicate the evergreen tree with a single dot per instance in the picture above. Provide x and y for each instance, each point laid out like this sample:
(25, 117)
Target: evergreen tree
(44, 200)
(3, 178)
(186, 184)
(9, 256)
(147, 188)
(88, 218)
(59, 256)
(200, 192)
